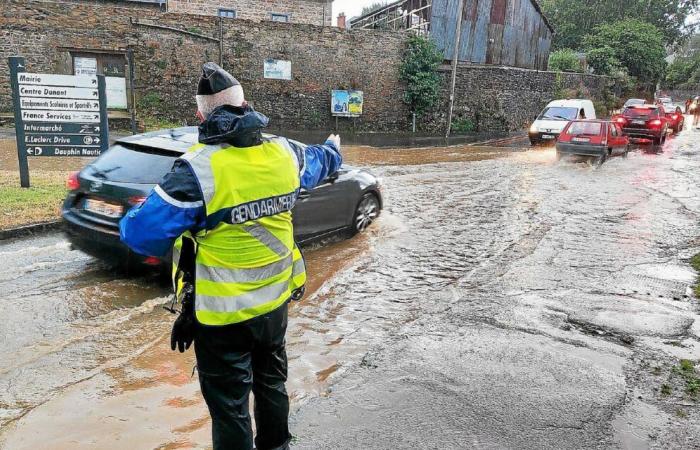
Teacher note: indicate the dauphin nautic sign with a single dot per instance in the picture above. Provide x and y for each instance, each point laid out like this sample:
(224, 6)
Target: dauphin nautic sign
(57, 115)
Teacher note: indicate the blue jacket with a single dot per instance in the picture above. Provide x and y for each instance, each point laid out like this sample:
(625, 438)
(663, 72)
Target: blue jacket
(176, 204)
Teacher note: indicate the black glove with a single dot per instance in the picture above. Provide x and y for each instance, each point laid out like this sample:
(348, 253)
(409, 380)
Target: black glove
(182, 334)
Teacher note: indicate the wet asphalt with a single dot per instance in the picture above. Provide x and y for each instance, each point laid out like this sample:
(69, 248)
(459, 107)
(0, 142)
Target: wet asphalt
(503, 300)
(543, 305)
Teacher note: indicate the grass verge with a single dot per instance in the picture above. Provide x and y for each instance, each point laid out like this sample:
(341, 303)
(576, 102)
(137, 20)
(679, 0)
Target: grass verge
(39, 203)
(686, 369)
(695, 263)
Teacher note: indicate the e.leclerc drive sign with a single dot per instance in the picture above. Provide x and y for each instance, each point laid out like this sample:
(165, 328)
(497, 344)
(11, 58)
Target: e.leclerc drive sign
(57, 115)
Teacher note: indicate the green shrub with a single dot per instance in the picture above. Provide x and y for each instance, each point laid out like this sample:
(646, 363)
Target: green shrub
(565, 60)
(463, 125)
(419, 72)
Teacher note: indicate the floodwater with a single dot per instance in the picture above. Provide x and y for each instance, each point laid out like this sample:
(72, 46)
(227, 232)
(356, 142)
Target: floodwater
(498, 236)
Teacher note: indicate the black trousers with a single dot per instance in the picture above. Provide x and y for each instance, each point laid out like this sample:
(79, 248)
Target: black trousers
(232, 361)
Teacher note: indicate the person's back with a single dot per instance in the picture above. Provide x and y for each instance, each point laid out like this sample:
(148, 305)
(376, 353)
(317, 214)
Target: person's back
(226, 208)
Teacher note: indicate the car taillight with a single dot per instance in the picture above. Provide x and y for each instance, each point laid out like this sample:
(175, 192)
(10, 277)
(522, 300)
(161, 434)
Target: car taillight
(73, 183)
(675, 117)
(152, 261)
(136, 200)
(621, 120)
(655, 123)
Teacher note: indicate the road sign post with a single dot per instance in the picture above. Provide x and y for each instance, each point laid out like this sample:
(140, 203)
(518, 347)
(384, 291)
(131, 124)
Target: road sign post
(57, 115)
(17, 65)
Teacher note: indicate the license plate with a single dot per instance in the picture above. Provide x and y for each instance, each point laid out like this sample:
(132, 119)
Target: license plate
(638, 122)
(547, 136)
(103, 208)
(581, 139)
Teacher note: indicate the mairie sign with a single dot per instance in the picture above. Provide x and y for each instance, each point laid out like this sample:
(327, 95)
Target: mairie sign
(57, 115)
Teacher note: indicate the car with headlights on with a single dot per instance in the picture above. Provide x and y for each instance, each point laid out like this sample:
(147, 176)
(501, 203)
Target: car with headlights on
(121, 178)
(555, 116)
(676, 119)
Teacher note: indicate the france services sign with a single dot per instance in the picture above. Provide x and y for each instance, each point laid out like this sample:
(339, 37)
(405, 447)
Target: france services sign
(57, 115)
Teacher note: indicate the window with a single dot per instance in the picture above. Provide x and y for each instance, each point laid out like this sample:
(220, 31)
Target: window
(588, 128)
(227, 13)
(112, 66)
(559, 113)
(280, 17)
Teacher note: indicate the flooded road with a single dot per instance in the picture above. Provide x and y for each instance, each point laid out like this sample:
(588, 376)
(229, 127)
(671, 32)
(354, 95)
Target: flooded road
(502, 301)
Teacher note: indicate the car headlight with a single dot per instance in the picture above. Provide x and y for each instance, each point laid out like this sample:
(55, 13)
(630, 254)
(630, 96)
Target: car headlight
(533, 129)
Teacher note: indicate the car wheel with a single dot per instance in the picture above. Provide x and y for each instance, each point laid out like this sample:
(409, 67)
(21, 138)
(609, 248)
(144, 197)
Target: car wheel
(367, 211)
(626, 152)
(601, 159)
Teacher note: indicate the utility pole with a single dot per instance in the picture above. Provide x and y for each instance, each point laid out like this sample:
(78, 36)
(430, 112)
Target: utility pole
(455, 58)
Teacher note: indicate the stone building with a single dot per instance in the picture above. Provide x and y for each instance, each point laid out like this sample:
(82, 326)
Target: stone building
(314, 12)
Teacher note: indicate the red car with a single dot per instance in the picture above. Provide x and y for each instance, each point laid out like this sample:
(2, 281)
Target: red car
(644, 122)
(599, 138)
(676, 119)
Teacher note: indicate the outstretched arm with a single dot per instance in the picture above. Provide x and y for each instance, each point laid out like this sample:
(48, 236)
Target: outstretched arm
(173, 207)
(317, 162)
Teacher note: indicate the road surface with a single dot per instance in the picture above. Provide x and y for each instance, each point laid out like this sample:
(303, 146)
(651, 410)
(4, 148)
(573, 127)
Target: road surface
(504, 300)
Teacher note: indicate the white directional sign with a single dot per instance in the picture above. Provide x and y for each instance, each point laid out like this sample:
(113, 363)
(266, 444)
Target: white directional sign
(58, 115)
(57, 92)
(60, 104)
(57, 80)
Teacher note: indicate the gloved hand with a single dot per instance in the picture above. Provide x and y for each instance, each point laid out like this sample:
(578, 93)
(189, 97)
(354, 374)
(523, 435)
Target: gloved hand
(182, 334)
(335, 140)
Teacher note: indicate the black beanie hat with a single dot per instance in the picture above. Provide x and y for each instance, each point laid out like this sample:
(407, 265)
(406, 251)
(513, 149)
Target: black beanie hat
(214, 79)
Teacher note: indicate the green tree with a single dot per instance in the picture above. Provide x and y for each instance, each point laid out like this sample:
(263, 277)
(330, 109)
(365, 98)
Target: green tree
(683, 72)
(574, 19)
(565, 60)
(637, 45)
(419, 72)
(603, 61)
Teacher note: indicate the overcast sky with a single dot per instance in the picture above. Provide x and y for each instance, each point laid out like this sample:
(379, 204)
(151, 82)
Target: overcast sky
(350, 7)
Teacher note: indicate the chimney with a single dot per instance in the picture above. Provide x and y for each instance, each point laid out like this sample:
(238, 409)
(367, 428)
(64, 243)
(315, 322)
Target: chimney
(341, 21)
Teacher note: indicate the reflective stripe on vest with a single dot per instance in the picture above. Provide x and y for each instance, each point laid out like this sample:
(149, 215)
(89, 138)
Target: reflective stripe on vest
(247, 262)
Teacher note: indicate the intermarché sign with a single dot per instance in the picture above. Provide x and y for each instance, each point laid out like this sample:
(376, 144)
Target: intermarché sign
(57, 115)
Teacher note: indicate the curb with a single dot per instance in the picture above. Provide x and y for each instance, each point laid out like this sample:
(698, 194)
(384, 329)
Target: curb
(28, 230)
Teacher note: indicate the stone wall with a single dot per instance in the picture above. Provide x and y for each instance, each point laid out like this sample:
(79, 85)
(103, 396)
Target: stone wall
(315, 12)
(169, 49)
(681, 95)
(505, 98)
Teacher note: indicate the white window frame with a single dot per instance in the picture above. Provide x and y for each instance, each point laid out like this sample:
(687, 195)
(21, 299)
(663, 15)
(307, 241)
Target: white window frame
(280, 15)
(226, 13)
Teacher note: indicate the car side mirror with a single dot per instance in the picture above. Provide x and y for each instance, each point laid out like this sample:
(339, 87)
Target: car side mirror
(332, 178)
(304, 194)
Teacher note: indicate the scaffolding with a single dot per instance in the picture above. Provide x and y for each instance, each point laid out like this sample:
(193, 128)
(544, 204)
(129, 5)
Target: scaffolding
(409, 15)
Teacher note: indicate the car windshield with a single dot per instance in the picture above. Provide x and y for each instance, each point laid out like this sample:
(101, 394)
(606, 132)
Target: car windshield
(634, 101)
(132, 165)
(640, 112)
(584, 128)
(559, 113)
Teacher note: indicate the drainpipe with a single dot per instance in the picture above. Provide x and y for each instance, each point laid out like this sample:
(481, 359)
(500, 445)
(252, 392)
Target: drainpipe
(455, 57)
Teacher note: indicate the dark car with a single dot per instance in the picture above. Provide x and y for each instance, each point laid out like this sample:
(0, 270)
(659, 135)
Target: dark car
(124, 175)
(648, 122)
(597, 138)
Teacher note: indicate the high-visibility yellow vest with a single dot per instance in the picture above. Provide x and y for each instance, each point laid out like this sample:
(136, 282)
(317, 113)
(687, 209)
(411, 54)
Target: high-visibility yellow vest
(247, 263)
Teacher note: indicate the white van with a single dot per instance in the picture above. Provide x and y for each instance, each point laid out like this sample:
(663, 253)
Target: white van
(556, 115)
